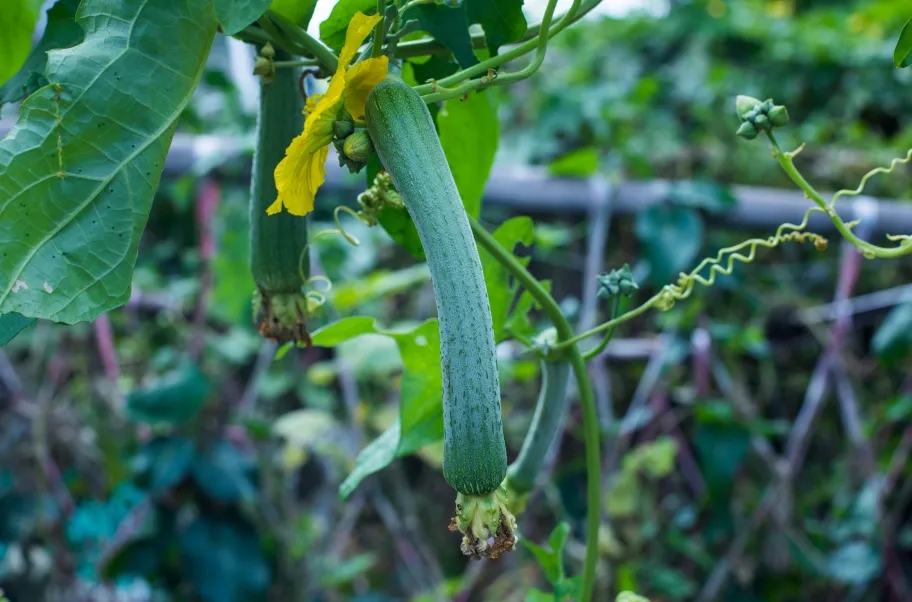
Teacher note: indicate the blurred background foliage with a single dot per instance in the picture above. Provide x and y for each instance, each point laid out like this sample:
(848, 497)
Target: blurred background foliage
(751, 454)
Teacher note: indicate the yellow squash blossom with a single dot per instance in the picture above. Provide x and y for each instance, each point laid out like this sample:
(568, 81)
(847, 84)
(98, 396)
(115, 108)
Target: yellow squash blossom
(303, 170)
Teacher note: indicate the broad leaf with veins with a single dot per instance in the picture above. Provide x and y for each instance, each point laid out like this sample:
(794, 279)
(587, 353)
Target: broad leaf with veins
(79, 170)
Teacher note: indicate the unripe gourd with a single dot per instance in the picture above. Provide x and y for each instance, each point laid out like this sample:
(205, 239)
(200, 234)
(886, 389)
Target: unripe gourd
(474, 455)
(278, 243)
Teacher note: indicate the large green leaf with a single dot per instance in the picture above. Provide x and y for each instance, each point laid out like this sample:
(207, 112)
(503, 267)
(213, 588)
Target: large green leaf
(61, 31)
(235, 15)
(17, 22)
(902, 54)
(298, 12)
(469, 132)
(498, 282)
(11, 325)
(503, 21)
(449, 26)
(79, 170)
(332, 30)
(421, 397)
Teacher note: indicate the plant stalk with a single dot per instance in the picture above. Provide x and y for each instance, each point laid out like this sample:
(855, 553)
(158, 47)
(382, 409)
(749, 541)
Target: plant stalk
(587, 397)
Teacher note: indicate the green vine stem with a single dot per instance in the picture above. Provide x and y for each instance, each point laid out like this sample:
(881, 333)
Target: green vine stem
(869, 250)
(587, 396)
(439, 90)
(618, 306)
(282, 28)
(295, 64)
(722, 263)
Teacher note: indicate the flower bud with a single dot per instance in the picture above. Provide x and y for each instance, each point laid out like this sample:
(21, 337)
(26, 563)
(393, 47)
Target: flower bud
(778, 116)
(745, 105)
(747, 131)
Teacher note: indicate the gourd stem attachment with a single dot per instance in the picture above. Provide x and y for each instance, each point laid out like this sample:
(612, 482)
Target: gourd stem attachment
(487, 525)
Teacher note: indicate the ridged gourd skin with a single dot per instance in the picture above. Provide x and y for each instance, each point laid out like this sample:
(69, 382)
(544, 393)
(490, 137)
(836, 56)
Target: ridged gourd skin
(276, 241)
(403, 134)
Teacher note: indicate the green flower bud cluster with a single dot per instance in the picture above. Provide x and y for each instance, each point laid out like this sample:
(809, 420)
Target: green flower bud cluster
(263, 66)
(617, 282)
(759, 116)
(353, 144)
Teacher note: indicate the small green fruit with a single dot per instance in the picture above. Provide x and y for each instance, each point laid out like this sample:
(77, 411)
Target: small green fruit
(358, 147)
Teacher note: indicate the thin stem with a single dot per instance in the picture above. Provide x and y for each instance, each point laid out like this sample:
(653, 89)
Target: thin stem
(610, 324)
(429, 91)
(322, 53)
(379, 30)
(587, 397)
(254, 35)
(867, 249)
(295, 64)
(619, 303)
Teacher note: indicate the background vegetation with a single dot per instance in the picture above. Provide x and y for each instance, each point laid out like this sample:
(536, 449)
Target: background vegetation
(756, 451)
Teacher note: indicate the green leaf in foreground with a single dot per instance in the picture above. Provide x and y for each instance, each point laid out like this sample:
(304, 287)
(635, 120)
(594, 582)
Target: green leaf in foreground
(421, 405)
(503, 21)
(450, 27)
(79, 170)
(17, 22)
(298, 12)
(235, 15)
(61, 31)
(11, 325)
(902, 55)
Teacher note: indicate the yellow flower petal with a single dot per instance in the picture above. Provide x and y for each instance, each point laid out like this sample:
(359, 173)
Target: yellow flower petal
(303, 170)
(298, 176)
(359, 81)
(358, 29)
